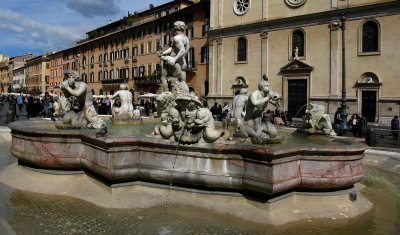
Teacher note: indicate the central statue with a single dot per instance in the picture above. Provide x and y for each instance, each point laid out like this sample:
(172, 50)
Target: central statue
(173, 75)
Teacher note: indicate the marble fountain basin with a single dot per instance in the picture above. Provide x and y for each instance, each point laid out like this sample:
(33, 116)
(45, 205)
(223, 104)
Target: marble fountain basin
(227, 167)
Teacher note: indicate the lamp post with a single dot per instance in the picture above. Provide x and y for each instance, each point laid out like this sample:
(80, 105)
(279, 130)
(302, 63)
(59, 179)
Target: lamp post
(343, 104)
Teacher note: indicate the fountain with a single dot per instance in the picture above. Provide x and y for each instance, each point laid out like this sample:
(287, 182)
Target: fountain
(187, 160)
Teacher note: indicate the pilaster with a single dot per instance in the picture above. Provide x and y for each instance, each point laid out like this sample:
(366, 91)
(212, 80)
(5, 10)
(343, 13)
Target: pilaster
(334, 58)
(264, 53)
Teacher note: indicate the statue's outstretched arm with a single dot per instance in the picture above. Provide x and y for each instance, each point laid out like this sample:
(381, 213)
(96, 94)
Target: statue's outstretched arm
(77, 92)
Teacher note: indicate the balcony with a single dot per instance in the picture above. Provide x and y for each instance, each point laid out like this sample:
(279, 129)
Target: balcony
(92, 65)
(134, 58)
(126, 59)
(111, 62)
(105, 63)
(147, 80)
(113, 82)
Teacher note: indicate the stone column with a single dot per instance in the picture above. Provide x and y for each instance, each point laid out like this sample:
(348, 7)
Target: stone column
(264, 53)
(211, 67)
(334, 58)
(264, 9)
(219, 13)
(334, 4)
(219, 67)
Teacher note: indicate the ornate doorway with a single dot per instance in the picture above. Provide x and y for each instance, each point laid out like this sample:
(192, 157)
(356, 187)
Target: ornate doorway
(368, 107)
(297, 97)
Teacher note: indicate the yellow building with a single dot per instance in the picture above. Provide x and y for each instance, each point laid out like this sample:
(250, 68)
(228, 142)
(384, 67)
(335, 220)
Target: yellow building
(125, 51)
(298, 45)
(56, 73)
(37, 75)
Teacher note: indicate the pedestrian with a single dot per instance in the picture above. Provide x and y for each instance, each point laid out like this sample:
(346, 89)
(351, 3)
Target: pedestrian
(394, 126)
(354, 124)
(20, 102)
(338, 122)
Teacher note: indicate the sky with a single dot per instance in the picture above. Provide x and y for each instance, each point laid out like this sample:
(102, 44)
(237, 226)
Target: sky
(40, 26)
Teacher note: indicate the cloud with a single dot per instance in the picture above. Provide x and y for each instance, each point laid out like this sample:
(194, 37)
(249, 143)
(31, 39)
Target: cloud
(34, 34)
(90, 8)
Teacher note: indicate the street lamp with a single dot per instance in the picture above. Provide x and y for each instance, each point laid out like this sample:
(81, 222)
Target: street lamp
(343, 104)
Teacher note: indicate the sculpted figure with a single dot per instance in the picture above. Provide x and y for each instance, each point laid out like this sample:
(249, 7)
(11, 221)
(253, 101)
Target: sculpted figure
(81, 112)
(205, 120)
(174, 66)
(239, 105)
(316, 121)
(256, 125)
(125, 111)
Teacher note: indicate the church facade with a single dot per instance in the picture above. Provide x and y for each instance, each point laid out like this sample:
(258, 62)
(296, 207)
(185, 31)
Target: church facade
(298, 45)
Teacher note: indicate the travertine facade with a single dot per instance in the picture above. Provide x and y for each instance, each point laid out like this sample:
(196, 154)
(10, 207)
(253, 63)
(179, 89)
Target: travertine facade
(269, 30)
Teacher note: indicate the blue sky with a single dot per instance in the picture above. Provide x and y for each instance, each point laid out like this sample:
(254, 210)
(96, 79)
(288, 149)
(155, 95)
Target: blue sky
(39, 26)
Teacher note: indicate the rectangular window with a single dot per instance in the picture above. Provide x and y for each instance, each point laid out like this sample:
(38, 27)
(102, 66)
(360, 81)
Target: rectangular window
(158, 45)
(166, 39)
(126, 75)
(149, 70)
(141, 71)
(190, 58)
(204, 54)
(142, 49)
(189, 32)
(135, 72)
(205, 29)
(149, 49)
(111, 74)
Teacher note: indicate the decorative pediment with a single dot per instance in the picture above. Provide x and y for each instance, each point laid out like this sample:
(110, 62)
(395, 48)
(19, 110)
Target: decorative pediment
(296, 67)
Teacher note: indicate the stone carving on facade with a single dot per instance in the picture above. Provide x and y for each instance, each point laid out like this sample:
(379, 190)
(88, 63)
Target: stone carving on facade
(122, 109)
(77, 105)
(173, 75)
(316, 121)
(249, 116)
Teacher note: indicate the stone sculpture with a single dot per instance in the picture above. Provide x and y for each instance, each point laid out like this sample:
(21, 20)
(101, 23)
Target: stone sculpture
(123, 109)
(317, 121)
(78, 105)
(184, 118)
(173, 75)
(254, 124)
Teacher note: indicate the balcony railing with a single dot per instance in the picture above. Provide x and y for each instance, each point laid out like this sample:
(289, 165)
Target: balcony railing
(148, 80)
(113, 81)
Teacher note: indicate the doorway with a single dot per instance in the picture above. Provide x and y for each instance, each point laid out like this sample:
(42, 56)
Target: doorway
(297, 97)
(368, 108)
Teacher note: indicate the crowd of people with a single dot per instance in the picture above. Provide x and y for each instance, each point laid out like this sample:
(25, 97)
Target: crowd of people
(275, 117)
(41, 106)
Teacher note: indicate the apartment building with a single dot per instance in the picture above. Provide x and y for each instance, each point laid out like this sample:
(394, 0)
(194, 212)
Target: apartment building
(16, 70)
(56, 73)
(37, 75)
(125, 51)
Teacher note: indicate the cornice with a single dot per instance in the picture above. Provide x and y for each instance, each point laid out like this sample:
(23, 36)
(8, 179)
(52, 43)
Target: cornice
(375, 10)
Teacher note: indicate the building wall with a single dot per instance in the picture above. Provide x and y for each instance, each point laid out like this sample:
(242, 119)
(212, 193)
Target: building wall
(322, 51)
(126, 38)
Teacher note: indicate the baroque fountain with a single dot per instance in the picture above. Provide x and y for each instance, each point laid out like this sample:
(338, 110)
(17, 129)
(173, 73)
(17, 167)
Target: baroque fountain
(187, 160)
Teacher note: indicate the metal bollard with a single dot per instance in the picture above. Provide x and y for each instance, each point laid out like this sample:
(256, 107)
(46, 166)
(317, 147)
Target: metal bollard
(370, 140)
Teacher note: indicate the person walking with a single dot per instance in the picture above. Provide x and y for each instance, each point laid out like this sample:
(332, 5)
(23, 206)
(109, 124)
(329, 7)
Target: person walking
(394, 126)
(20, 102)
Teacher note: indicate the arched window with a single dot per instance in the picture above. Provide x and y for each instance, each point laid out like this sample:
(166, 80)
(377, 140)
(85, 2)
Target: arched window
(370, 37)
(93, 92)
(100, 73)
(101, 92)
(298, 43)
(242, 49)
